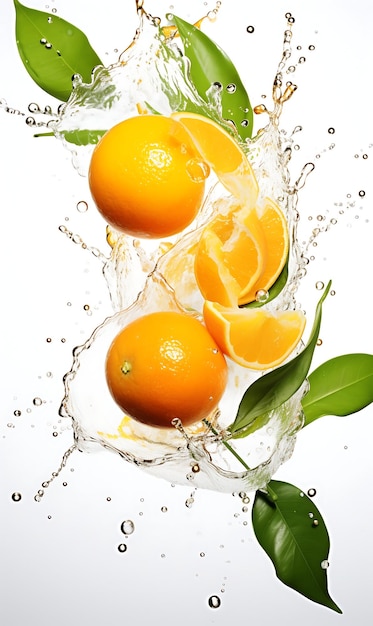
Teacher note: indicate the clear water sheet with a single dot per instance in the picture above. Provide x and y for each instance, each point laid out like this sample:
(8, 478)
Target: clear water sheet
(67, 556)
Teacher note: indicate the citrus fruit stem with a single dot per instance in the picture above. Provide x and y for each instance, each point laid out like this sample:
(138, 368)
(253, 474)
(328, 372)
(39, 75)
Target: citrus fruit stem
(126, 367)
(227, 445)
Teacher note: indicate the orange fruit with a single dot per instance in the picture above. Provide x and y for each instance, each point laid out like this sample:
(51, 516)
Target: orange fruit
(165, 365)
(241, 252)
(231, 255)
(146, 177)
(223, 154)
(254, 338)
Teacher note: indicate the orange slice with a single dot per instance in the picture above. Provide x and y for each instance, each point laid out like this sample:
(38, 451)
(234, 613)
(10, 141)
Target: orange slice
(223, 154)
(231, 255)
(254, 338)
(276, 236)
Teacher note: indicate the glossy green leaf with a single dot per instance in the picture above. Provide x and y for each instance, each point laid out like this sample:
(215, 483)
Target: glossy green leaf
(277, 386)
(273, 291)
(83, 137)
(78, 137)
(340, 386)
(53, 50)
(209, 64)
(290, 529)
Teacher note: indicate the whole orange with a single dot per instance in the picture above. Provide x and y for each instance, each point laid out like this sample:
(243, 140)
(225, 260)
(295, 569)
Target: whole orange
(146, 177)
(165, 365)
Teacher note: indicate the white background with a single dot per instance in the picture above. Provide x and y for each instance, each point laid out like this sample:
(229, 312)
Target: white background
(59, 559)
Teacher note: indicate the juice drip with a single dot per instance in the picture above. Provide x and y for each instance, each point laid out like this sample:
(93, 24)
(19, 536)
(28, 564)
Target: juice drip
(159, 276)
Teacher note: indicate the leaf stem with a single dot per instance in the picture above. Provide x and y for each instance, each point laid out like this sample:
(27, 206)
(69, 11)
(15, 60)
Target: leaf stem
(227, 445)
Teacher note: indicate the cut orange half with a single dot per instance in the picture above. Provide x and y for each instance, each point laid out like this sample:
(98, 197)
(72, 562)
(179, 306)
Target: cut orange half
(223, 154)
(254, 338)
(231, 255)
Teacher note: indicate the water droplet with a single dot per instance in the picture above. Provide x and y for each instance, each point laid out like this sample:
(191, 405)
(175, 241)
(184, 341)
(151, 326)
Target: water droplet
(37, 401)
(311, 47)
(17, 413)
(195, 468)
(164, 509)
(64, 484)
(55, 433)
(127, 527)
(301, 494)
(198, 170)
(331, 131)
(311, 492)
(82, 206)
(122, 547)
(365, 156)
(245, 123)
(48, 46)
(315, 522)
(324, 564)
(86, 307)
(231, 88)
(16, 496)
(261, 295)
(319, 285)
(250, 29)
(214, 602)
(43, 41)
(361, 194)
(319, 342)
(202, 554)
(108, 499)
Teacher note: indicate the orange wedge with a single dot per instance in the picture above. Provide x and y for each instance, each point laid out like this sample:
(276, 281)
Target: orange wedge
(223, 155)
(254, 338)
(231, 255)
(276, 236)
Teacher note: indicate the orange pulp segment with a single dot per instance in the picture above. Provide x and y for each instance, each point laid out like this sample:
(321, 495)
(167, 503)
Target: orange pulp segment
(254, 338)
(276, 236)
(223, 154)
(231, 255)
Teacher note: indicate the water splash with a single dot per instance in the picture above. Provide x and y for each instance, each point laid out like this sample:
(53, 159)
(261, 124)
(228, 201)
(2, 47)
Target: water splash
(146, 277)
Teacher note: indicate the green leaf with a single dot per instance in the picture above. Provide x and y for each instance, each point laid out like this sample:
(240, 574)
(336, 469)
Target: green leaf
(276, 387)
(273, 291)
(83, 137)
(340, 386)
(290, 529)
(53, 50)
(209, 64)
